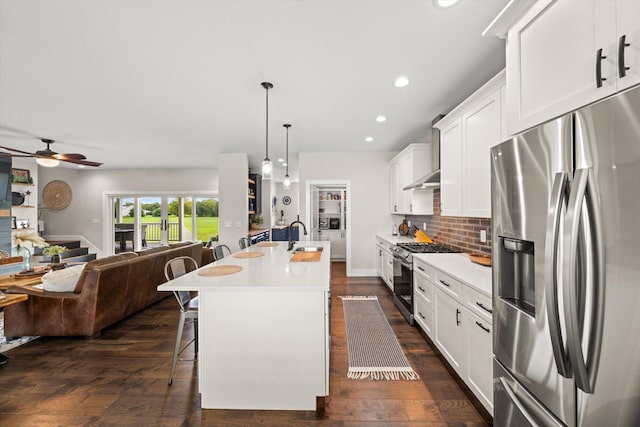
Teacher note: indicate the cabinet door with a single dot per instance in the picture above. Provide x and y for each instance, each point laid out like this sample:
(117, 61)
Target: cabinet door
(448, 330)
(379, 260)
(394, 194)
(482, 130)
(551, 58)
(338, 244)
(628, 25)
(451, 169)
(479, 354)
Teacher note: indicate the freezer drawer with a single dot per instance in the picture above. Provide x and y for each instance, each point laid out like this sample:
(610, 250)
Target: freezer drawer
(514, 405)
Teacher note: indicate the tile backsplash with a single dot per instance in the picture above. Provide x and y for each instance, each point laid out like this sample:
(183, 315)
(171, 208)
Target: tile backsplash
(461, 233)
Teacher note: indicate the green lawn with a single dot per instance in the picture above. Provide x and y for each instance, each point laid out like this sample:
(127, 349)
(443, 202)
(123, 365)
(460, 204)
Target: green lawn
(207, 226)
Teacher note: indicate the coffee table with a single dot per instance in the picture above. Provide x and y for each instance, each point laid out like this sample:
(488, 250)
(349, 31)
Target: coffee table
(10, 280)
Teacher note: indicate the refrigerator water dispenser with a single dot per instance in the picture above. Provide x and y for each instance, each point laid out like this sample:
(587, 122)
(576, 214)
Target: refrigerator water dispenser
(517, 275)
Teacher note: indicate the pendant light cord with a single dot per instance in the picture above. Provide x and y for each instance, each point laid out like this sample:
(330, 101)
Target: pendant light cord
(267, 127)
(287, 151)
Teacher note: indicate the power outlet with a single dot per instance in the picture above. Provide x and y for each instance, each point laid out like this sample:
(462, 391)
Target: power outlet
(483, 236)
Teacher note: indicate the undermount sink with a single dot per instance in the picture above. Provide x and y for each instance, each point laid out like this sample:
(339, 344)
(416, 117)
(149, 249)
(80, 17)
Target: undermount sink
(309, 249)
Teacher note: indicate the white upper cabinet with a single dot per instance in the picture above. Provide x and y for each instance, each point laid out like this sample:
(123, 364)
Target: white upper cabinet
(451, 169)
(466, 136)
(628, 33)
(409, 165)
(564, 54)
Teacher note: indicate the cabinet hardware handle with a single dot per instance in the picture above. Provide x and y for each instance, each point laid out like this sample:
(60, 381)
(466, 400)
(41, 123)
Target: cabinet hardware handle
(479, 304)
(410, 207)
(420, 268)
(421, 288)
(487, 330)
(599, 58)
(420, 313)
(622, 70)
(445, 283)
(457, 317)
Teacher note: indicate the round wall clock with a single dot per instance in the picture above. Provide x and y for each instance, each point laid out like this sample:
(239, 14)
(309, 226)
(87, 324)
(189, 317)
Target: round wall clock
(286, 200)
(56, 195)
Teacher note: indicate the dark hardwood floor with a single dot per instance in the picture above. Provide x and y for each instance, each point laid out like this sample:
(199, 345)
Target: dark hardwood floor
(120, 378)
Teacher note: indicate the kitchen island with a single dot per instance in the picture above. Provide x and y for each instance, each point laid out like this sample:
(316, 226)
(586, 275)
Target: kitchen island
(264, 331)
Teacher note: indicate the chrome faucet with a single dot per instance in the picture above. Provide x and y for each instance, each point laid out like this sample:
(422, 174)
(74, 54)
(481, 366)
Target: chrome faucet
(291, 241)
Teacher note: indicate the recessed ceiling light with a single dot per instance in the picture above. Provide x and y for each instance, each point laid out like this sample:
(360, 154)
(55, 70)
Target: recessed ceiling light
(81, 166)
(401, 81)
(381, 119)
(369, 139)
(443, 4)
(280, 160)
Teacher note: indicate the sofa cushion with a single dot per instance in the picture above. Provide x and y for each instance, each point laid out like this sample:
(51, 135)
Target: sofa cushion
(62, 280)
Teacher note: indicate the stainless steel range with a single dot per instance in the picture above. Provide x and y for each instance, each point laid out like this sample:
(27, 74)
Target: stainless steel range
(403, 273)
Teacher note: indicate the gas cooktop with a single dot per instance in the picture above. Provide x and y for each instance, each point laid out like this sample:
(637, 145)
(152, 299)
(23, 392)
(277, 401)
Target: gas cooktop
(425, 248)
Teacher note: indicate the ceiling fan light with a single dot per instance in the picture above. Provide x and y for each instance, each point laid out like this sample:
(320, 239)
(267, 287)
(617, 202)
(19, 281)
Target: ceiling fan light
(286, 184)
(48, 163)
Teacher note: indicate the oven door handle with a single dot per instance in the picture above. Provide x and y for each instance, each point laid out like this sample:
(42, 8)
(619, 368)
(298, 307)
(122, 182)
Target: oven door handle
(403, 262)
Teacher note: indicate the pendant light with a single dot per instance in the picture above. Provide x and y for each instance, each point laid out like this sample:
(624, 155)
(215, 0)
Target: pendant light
(287, 181)
(267, 166)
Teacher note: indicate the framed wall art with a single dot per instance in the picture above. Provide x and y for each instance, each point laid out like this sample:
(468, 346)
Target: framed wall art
(20, 176)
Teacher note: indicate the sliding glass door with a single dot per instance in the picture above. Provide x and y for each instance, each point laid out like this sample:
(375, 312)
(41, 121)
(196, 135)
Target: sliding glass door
(140, 221)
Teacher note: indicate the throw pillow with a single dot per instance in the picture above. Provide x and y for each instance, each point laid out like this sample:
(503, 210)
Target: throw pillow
(62, 280)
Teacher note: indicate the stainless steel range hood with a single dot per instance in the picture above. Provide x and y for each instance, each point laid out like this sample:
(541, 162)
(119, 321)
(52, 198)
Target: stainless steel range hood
(432, 179)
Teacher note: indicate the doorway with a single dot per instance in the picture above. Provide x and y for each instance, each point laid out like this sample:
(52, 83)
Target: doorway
(328, 210)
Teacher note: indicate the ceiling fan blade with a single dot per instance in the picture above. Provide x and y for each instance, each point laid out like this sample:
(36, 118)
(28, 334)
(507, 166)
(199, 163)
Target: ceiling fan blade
(82, 162)
(72, 156)
(17, 151)
(3, 154)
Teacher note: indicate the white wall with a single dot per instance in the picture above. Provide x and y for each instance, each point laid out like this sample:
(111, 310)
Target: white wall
(369, 176)
(292, 210)
(88, 187)
(234, 201)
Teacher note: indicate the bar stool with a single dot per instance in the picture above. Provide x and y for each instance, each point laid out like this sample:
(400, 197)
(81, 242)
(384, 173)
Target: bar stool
(177, 267)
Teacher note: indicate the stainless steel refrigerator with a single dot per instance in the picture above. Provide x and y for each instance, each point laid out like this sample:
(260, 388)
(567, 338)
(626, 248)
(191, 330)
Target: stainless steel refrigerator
(566, 274)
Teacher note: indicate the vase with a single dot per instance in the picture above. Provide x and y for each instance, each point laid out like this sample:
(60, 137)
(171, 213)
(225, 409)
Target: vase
(55, 259)
(26, 257)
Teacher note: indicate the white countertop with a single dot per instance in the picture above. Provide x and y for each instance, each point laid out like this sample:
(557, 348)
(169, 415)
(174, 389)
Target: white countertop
(460, 267)
(394, 240)
(273, 271)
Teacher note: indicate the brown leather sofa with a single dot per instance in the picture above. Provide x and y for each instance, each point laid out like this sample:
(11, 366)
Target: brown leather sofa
(108, 290)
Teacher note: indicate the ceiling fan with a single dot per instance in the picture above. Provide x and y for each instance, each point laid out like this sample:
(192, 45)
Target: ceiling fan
(50, 158)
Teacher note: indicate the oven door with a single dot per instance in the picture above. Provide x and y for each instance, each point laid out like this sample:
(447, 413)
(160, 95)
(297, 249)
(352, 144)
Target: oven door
(403, 286)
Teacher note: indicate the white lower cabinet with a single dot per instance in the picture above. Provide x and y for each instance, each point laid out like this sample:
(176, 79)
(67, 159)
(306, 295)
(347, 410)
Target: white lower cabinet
(477, 340)
(384, 261)
(448, 326)
(457, 317)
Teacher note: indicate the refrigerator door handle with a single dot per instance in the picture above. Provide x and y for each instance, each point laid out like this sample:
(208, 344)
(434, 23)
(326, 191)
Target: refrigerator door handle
(584, 192)
(559, 195)
(526, 406)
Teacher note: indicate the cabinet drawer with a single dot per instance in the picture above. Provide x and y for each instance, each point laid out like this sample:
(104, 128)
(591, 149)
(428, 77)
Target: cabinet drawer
(478, 303)
(422, 269)
(424, 288)
(423, 314)
(448, 284)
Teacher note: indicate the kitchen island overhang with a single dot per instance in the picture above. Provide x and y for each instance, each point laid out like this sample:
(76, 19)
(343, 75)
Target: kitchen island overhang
(264, 331)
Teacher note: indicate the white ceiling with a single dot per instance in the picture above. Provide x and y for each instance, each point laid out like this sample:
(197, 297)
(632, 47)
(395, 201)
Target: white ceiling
(150, 83)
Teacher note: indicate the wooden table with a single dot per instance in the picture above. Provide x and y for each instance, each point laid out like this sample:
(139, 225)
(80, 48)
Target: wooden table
(122, 235)
(10, 280)
(9, 299)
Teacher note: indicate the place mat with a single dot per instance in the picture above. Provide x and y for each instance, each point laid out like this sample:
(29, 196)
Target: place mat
(266, 244)
(219, 270)
(373, 349)
(248, 254)
(30, 273)
(481, 259)
(306, 256)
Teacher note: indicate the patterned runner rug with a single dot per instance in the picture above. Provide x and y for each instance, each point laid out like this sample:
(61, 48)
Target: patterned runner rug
(374, 350)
